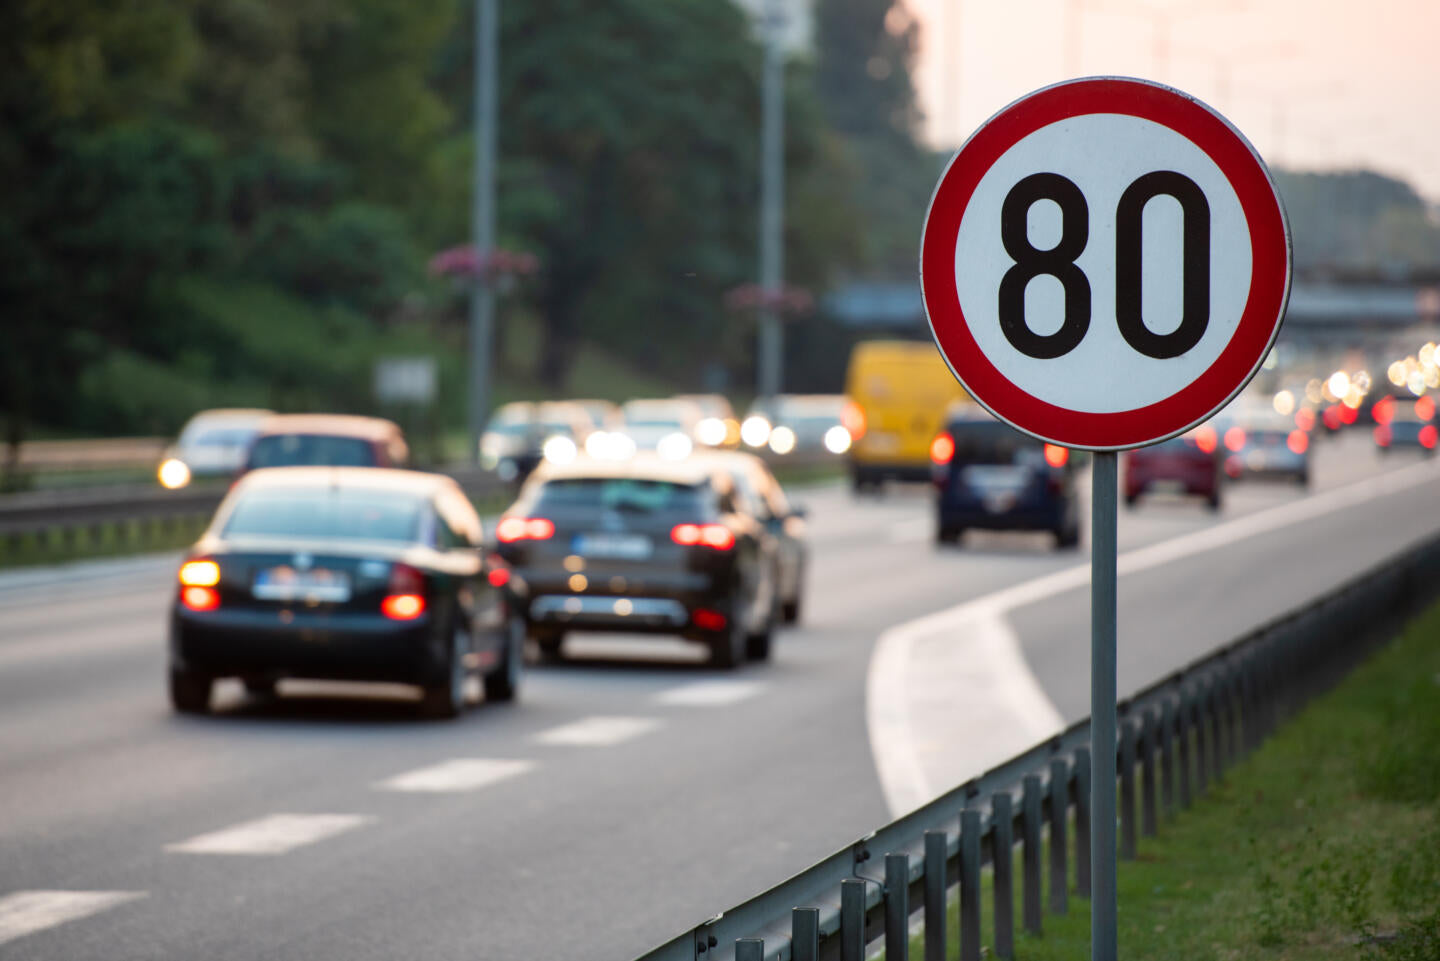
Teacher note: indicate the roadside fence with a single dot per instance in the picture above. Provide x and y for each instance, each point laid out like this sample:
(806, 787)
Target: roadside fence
(1176, 738)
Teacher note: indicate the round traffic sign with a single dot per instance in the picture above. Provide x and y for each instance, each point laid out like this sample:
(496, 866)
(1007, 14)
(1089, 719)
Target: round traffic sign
(1105, 263)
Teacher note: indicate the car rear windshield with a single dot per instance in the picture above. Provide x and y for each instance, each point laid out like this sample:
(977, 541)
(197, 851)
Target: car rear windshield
(328, 512)
(311, 450)
(991, 442)
(622, 494)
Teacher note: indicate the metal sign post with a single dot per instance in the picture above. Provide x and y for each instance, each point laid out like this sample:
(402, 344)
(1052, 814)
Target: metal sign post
(1147, 321)
(1104, 899)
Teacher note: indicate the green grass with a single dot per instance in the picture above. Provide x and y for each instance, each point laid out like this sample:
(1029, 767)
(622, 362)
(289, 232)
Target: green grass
(107, 539)
(1323, 845)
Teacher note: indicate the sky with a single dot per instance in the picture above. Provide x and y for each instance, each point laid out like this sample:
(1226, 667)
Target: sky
(1318, 85)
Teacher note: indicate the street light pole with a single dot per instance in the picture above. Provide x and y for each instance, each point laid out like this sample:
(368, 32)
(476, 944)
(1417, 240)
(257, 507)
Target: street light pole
(772, 204)
(482, 293)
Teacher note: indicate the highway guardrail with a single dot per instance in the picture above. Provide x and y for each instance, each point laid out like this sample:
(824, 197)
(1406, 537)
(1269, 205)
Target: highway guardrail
(1175, 738)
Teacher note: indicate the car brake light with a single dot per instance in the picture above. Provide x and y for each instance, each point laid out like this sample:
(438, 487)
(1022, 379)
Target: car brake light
(1056, 456)
(498, 576)
(200, 598)
(1348, 414)
(1383, 410)
(1425, 408)
(1429, 436)
(1234, 439)
(852, 417)
(1331, 417)
(511, 529)
(201, 573)
(708, 620)
(942, 448)
(1382, 436)
(1205, 439)
(405, 594)
(716, 536)
(1305, 419)
(1298, 441)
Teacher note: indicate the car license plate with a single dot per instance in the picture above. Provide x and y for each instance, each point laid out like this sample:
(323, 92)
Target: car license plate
(628, 547)
(317, 585)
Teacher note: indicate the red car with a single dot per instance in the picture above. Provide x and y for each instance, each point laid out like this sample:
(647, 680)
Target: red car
(1189, 464)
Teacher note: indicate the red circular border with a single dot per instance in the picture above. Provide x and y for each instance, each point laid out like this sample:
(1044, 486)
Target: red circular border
(1269, 280)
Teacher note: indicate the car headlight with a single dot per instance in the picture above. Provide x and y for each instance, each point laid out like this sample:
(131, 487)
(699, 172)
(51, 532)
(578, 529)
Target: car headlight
(755, 431)
(837, 440)
(559, 449)
(782, 440)
(173, 473)
(710, 432)
(674, 446)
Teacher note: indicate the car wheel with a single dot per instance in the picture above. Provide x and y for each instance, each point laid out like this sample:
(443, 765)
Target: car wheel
(503, 683)
(948, 535)
(551, 643)
(190, 692)
(261, 686)
(1213, 502)
(1131, 500)
(728, 648)
(447, 699)
(757, 645)
(1067, 538)
(790, 610)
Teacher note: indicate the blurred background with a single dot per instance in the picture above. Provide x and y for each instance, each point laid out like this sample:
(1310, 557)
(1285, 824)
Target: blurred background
(256, 203)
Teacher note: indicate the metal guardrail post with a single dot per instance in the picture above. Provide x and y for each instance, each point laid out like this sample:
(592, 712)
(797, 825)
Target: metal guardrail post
(1198, 705)
(897, 907)
(1059, 817)
(1030, 828)
(852, 919)
(804, 934)
(1217, 725)
(1148, 734)
(749, 949)
(1082, 821)
(1002, 861)
(1167, 756)
(1127, 789)
(935, 852)
(1183, 718)
(969, 884)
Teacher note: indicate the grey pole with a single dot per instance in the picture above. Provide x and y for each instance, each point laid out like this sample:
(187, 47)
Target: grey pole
(482, 294)
(772, 203)
(1103, 904)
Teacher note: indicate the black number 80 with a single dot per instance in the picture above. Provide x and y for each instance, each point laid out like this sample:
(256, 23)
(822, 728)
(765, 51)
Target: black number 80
(1059, 262)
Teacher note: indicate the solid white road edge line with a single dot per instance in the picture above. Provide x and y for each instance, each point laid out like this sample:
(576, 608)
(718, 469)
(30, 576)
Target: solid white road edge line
(1004, 703)
(275, 834)
(26, 912)
(709, 693)
(458, 774)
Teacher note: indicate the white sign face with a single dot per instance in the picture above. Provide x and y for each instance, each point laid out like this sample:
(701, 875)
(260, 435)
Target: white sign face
(1105, 263)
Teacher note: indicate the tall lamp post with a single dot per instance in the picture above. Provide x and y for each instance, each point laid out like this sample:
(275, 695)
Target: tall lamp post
(482, 296)
(772, 203)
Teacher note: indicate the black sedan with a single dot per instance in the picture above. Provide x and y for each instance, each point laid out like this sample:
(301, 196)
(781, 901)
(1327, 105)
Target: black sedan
(642, 545)
(345, 573)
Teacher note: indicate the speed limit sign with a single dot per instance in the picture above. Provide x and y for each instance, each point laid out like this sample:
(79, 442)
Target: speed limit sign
(1105, 263)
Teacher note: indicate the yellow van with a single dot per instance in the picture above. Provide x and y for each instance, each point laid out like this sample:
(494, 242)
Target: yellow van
(897, 393)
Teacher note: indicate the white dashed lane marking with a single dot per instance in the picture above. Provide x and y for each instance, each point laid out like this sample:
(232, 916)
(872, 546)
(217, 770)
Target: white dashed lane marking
(26, 912)
(458, 774)
(598, 731)
(276, 834)
(709, 693)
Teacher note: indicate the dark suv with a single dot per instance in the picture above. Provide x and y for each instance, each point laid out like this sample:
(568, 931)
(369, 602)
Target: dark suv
(990, 476)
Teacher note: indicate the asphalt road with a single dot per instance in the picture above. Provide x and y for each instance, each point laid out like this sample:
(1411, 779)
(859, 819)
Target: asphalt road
(629, 793)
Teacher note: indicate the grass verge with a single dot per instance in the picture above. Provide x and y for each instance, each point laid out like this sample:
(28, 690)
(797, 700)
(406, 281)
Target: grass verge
(1325, 844)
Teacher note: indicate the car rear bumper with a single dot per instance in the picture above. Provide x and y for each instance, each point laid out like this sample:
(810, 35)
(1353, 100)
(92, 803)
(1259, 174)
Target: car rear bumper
(257, 643)
(1017, 519)
(598, 612)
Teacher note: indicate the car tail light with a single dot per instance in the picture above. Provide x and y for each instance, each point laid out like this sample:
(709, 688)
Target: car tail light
(498, 576)
(200, 573)
(1298, 441)
(942, 449)
(405, 595)
(1382, 436)
(200, 598)
(852, 417)
(1234, 439)
(1331, 417)
(511, 529)
(1348, 414)
(1206, 440)
(1383, 410)
(1429, 436)
(1056, 456)
(1305, 419)
(708, 620)
(716, 536)
(1425, 408)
